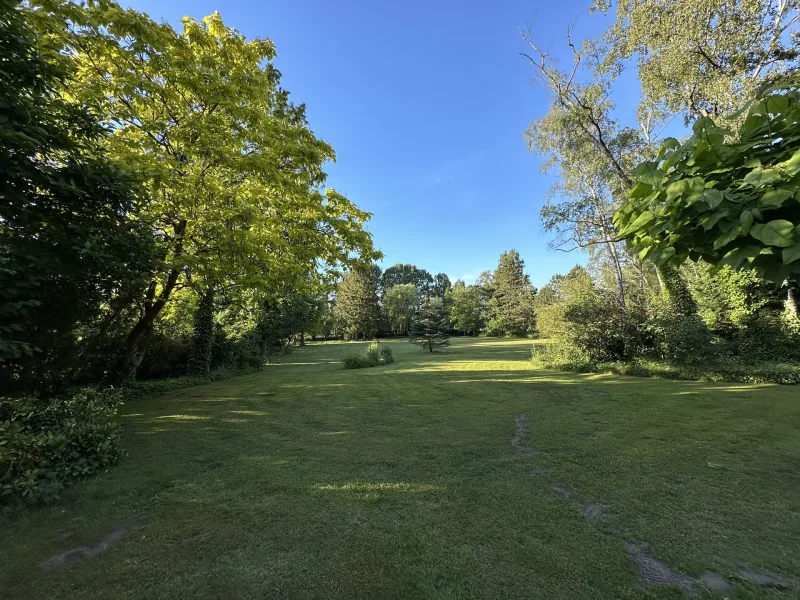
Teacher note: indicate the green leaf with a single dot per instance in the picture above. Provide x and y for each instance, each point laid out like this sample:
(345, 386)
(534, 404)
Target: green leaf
(727, 238)
(775, 198)
(752, 162)
(661, 255)
(737, 256)
(642, 220)
(746, 219)
(647, 172)
(791, 254)
(792, 166)
(713, 197)
(760, 176)
(641, 190)
(775, 233)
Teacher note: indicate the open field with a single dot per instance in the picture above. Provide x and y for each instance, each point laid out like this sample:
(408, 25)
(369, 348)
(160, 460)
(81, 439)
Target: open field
(466, 474)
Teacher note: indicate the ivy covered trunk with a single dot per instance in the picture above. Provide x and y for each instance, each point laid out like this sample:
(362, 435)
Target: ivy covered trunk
(203, 335)
(791, 298)
(676, 291)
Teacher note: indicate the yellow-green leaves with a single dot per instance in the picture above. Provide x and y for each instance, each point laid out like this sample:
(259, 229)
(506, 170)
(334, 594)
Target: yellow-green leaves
(233, 171)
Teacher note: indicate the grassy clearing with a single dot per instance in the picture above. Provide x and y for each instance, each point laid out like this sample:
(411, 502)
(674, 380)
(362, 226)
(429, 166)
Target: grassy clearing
(466, 474)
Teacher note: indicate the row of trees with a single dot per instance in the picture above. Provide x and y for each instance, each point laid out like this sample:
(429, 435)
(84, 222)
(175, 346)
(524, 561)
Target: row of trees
(501, 302)
(641, 203)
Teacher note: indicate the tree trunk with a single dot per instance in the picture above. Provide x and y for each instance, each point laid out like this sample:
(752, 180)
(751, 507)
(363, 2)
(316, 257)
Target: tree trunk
(612, 252)
(792, 306)
(676, 291)
(203, 335)
(302, 339)
(152, 308)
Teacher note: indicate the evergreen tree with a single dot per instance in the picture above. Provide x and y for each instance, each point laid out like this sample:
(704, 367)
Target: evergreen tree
(357, 309)
(512, 304)
(429, 328)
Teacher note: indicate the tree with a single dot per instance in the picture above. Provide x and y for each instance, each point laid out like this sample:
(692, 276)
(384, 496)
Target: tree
(400, 274)
(232, 170)
(429, 328)
(399, 304)
(700, 58)
(728, 203)
(512, 304)
(70, 256)
(441, 285)
(464, 307)
(357, 311)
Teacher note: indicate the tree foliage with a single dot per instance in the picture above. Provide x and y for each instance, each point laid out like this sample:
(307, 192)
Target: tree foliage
(464, 307)
(399, 303)
(357, 310)
(730, 203)
(511, 307)
(403, 273)
(232, 170)
(68, 251)
(700, 58)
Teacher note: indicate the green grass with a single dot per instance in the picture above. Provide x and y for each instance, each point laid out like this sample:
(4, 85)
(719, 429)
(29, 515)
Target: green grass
(306, 480)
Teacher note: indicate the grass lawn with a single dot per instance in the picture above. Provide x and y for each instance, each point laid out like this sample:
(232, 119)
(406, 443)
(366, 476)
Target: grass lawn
(466, 474)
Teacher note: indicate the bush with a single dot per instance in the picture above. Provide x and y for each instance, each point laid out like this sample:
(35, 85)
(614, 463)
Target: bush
(371, 356)
(132, 390)
(553, 357)
(386, 354)
(46, 443)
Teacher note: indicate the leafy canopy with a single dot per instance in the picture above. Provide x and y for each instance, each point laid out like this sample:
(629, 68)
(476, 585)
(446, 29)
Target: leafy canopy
(234, 173)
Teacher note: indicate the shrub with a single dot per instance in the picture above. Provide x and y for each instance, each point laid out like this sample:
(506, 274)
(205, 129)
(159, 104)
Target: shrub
(386, 354)
(371, 356)
(132, 390)
(46, 443)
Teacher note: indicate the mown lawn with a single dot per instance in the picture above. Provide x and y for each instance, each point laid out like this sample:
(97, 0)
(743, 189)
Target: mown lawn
(467, 474)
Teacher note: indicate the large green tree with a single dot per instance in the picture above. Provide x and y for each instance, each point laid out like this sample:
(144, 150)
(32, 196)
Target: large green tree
(701, 58)
(511, 307)
(233, 173)
(464, 307)
(357, 311)
(401, 273)
(398, 305)
(69, 252)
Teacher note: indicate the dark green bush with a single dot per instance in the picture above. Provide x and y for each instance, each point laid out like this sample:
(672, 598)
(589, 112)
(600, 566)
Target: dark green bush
(132, 390)
(556, 358)
(46, 443)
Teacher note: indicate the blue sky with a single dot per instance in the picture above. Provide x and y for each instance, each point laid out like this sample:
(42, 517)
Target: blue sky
(425, 104)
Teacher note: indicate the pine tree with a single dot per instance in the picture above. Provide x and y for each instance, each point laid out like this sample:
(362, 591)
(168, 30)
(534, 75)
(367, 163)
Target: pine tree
(512, 304)
(429, 327)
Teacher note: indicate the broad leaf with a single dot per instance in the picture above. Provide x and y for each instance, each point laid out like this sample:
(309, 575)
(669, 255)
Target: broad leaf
(775, 233)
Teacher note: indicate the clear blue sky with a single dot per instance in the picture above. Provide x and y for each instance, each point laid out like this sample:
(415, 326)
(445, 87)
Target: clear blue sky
(425, 104)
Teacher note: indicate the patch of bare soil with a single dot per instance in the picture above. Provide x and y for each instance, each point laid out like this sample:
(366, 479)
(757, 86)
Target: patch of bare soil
(651, 572)
(70, 557)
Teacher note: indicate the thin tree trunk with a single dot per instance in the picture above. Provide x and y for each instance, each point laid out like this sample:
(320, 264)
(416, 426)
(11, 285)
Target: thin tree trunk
(792, 306)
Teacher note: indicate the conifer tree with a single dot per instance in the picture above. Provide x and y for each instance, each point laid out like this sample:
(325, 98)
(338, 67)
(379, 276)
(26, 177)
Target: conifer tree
(429, 327)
